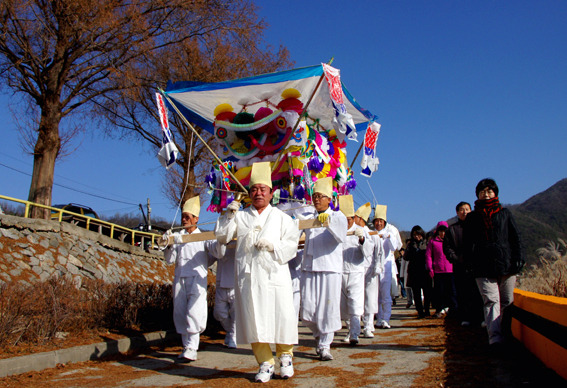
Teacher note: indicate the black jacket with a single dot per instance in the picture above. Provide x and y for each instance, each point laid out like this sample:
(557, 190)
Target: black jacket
(497, 253)
(418, 276)
(453, 243)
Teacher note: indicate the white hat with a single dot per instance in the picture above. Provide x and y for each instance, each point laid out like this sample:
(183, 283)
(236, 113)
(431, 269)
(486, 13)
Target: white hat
(192, 206)
(346, 205)
(364, 211)
(324, 186)
(261, 174)
(380, 212)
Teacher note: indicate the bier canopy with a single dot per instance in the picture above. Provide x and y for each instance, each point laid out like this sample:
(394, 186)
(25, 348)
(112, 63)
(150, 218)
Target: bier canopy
(299, 120)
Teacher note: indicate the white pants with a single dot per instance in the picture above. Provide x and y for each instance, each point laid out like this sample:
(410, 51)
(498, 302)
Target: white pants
(320, 312)
(296, 284)
(384, 298)
(352, 300)
(190, 307)
(225, 310)
(497, 294)
(370, 292)
(324, 340)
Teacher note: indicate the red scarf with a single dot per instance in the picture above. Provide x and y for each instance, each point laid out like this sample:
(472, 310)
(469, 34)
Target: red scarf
(488, 207)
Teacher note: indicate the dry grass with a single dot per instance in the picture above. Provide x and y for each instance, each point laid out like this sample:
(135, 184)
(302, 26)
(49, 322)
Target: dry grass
(549, 277)
(56, 308)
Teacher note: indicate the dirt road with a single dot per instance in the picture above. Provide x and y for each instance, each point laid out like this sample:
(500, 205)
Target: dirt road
(413, 353)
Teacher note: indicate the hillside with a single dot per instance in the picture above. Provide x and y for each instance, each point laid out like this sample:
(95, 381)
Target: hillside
(542, 218)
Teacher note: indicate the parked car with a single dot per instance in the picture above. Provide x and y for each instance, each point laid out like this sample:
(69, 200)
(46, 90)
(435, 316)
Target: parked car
(75, 208)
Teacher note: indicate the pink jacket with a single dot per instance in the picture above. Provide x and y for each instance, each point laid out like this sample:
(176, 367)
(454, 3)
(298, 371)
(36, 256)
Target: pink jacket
(435, 258)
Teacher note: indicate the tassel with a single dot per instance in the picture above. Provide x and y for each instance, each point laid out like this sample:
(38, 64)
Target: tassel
(351, 185)
(299, 192)
(284, 195)
(315, 165)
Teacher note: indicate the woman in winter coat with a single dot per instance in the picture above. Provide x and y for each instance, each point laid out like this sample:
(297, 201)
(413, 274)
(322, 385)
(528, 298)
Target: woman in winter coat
(441, 271)
(418, 278)
(493, 252)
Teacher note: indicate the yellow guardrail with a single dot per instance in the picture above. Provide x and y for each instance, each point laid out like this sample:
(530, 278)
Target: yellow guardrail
(115, 231)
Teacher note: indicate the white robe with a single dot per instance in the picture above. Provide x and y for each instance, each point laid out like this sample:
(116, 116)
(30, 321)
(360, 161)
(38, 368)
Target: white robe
(264, 301)
(190, 282)
(356, 258)
(322, 267)
(371, 280)
(391, 242)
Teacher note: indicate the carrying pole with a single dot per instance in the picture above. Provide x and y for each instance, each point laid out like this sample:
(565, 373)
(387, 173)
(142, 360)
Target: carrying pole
(357, 152)
(219, 161)
(302, 113)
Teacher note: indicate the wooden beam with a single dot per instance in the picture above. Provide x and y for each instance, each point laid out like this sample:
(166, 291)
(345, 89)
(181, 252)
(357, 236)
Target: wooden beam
(210, 235)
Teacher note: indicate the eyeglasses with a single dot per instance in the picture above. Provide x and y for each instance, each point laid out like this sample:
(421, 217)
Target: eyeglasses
(318, 196)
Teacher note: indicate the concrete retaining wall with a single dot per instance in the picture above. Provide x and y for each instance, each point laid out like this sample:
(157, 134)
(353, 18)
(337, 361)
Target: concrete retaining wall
(540, 323)
(33, 250)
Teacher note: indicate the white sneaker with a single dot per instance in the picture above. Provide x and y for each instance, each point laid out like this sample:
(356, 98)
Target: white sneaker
(347, 338)
(384, 325)
(367, 333)
(188, 354)
(286, 366)
(326, 355)
(265, 373)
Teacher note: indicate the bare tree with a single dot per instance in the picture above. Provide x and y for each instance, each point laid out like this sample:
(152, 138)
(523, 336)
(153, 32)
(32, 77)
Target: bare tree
(221, 55)
(64, 56)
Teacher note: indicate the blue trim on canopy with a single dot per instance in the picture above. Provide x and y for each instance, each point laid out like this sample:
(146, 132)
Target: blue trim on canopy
(281, 76)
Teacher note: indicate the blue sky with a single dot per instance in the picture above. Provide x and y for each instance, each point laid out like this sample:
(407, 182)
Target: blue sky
(464, 90)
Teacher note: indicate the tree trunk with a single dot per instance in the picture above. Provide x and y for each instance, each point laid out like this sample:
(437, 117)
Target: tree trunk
(45, 152)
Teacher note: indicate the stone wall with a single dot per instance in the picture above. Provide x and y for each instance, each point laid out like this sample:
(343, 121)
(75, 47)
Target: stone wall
(33, 250)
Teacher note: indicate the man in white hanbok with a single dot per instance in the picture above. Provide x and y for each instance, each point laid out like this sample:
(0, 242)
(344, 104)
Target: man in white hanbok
(372, 272)
(391, 242)
(322, 268)
(190, 280)
(357, 255)
(225, 307)
(267, 239)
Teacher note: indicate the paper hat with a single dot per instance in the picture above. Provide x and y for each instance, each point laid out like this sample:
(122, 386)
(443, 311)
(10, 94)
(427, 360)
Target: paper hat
(261, 174)
(193, 206)
(364, 211)
(380, 212)
(324, 186)
(346, 205)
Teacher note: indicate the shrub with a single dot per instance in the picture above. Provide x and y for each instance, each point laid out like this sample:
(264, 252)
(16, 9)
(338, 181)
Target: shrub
(37, 313)
(549, 277)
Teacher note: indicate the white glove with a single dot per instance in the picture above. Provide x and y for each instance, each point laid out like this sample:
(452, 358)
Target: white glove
(264, 245)
(232, 208)
(163, 241)
(359, 232)
(177, 239)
